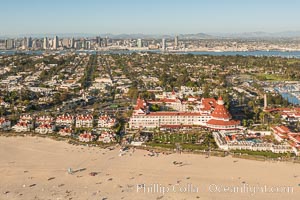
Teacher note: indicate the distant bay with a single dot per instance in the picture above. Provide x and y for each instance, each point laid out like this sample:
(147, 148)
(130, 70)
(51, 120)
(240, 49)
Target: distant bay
(285, 54)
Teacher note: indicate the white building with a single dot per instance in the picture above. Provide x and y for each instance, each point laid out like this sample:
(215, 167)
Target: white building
(65, 131)
(107, 136)
(86, 137)
(212, 114)
(4, 123)
(84, 121)
(44, 120)
(105, 121)
(25, 118)
(65, 120)
(21, 127)
(45, 129)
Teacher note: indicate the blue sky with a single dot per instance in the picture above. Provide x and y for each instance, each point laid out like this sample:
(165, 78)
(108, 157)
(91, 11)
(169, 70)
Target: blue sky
(148, 16)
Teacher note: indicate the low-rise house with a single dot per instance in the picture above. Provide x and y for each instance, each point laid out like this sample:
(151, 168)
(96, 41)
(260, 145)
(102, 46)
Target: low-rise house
(65, 120)
(21, 127)
(107, 136)
(106, 121)
(280, 132)
(84, 121)
(45, 129)
(65, 131)
(26, 118)
(44, 120)
(86, 137)
(4, 123)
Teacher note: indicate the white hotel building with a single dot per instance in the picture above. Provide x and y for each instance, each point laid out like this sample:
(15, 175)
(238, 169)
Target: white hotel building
(212, 114)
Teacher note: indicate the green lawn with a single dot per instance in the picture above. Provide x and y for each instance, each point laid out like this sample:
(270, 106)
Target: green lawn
(267, 154)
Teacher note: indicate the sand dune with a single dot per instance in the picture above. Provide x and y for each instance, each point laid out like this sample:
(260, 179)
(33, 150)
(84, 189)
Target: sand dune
(36, 168)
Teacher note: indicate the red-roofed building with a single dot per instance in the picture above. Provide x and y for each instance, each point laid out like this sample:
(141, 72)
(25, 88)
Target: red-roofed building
(65, 120)
(45, 128)
(25, 118)
(86, 137)
(105, 121)
(84, 121)
(284, 134)
(65, 131)
(141, 107)
(280, 132)
(107, 136)
(4, 123)
(44, 119)
(221, 119)
(21, 127)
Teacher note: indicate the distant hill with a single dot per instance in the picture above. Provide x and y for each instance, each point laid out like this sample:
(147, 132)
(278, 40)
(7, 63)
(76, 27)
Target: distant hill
(262, 35)
(285, 34)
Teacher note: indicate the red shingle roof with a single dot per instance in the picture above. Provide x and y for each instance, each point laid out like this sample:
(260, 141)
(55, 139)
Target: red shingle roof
(220, 111)
(223, 123)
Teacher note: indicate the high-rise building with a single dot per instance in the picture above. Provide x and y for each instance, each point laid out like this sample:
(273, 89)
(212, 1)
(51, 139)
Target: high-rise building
(45, 43)
(24, 43)
(72, 43)
(87, 44)
(164, 45)
(176, 41)
(99, 41)
(55, 42)
(9, 43)
(66, 43)
(139, 43)
(105, 41)
(29, 42)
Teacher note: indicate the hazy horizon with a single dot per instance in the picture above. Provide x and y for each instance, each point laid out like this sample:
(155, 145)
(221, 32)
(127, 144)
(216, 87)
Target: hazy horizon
(148, 17)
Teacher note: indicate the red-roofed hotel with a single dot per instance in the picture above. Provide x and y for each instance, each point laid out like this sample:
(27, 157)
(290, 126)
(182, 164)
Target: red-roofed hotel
(212, 114)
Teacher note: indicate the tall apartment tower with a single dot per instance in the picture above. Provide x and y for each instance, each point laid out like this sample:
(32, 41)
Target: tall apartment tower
(98, 41)
(55, 42)
(45, 43)
(29, 42)
(164, 45)
(139, 43)
(72, 43)
(176, 41)
(9, 44)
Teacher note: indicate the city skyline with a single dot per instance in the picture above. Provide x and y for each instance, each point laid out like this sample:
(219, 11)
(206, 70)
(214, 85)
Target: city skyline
(155, 17)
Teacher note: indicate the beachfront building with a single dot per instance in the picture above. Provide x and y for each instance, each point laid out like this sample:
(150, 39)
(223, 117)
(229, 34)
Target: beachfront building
(26, 118)
(45, 129)
(84, 121)
(65, 120)
(65, 131)
(226, 142)
(107, 136)
(280, 132)
(212, 114)
(86, 137)
(284, 134)
(4, 123)
(105, 121)
(44, 120)
(21, 126)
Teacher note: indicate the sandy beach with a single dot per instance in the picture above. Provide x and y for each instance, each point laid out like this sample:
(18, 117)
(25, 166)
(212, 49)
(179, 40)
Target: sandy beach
(37, 168)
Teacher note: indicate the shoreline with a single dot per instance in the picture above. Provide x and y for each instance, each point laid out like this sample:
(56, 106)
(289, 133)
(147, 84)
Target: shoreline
(37, 168)
(213, 153)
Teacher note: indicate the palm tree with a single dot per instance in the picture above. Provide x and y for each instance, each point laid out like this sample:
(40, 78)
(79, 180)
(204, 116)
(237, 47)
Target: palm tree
(262, 116)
